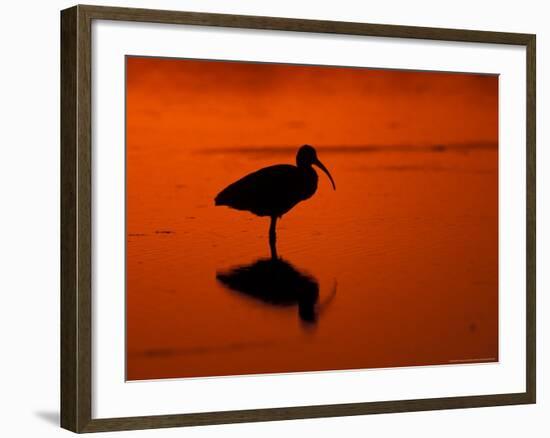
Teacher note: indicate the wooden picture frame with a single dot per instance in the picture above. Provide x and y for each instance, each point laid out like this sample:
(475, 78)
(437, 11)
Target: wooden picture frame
(76, 218)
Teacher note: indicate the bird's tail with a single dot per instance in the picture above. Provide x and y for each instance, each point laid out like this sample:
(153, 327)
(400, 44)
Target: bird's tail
(221, 198)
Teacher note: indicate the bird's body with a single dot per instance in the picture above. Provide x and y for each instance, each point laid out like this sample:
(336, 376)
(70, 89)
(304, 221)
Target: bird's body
(274, 190)
(271, 191)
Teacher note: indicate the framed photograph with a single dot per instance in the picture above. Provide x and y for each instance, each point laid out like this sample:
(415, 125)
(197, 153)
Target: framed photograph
(270, 218)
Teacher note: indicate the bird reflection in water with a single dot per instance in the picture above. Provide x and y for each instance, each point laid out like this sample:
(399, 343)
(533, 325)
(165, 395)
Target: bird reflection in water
(277, 282)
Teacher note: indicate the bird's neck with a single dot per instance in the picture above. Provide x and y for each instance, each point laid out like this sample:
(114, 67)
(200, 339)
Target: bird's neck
(310, 181)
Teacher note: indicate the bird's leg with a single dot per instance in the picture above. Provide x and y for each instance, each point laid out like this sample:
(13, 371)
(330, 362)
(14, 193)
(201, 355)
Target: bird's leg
(273, 237)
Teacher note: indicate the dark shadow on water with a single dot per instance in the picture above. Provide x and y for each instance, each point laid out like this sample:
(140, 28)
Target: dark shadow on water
(353, 149)
(422, 168)
(278, 283)
(160, 353)
(51, 417)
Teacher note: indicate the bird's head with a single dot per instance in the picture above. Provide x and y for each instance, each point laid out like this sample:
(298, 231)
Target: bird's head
(307, 156)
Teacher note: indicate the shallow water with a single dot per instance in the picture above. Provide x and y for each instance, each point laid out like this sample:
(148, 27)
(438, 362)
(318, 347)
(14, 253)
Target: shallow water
(397, 267)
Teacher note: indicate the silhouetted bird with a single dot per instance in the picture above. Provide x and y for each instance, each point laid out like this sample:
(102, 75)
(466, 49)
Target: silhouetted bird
(274, 190)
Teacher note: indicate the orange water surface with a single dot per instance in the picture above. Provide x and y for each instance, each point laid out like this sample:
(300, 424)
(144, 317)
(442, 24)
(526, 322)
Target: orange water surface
(397, 267)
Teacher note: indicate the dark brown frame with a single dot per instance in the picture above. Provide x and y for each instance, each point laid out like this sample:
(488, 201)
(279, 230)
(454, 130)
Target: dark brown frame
(76, 238)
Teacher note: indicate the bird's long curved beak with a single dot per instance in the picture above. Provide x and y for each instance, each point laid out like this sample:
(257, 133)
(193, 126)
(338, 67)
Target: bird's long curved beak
(324, 169)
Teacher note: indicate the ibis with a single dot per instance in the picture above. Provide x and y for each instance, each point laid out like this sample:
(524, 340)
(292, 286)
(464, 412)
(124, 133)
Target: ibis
(275, 190)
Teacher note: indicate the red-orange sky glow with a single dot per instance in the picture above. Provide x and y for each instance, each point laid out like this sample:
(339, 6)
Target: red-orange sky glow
(221, 104)
(404, 253)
